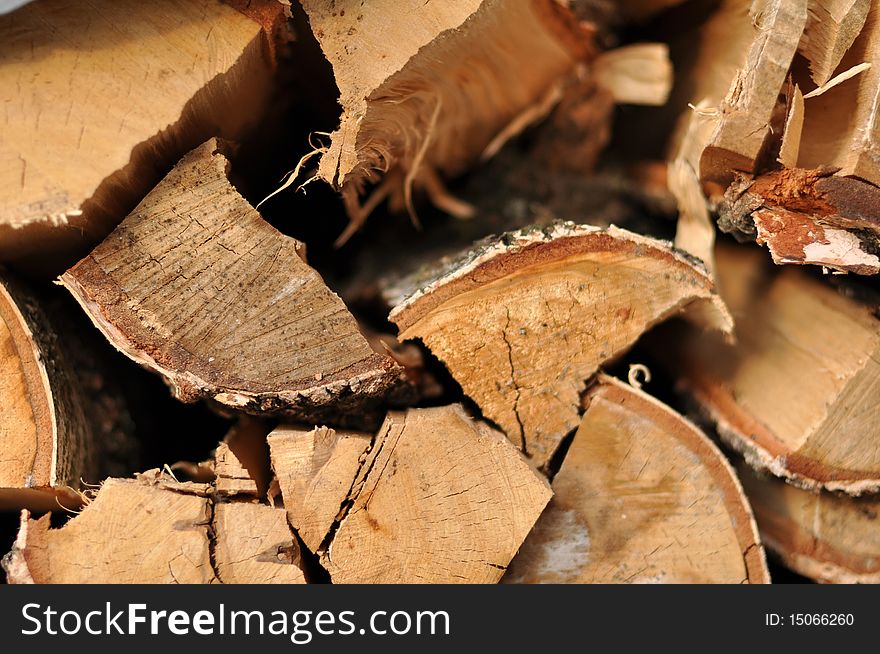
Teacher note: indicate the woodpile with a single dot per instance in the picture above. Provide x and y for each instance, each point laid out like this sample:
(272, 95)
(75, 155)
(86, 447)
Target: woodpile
(566, 347)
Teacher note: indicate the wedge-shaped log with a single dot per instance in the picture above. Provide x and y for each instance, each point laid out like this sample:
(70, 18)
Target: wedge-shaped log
(436, 498)
(426, 88)
(829, 537)
(196, 286)
(832, 26)
(524, 320)
(101, 98)
(642, 496)
(133, 532)
(796, 395)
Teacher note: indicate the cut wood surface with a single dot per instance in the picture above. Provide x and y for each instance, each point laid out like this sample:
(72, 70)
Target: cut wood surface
(425, 88)
(832, 26)
(828, 537)
(797, 393)
(316, 470)
(132, 532)
(59, 422)
(523, 320)
(254, 545)
(642, 496)
(437, 498)
(196, 286)
(241, 461)
(103, 98)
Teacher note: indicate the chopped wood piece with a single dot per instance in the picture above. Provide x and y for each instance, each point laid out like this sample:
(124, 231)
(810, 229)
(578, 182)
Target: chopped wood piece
(196, 286)
(797, 393)
(828, 537)
(808, 217)
(315, 470)
(255, 545)
(103, 98)
(523, 320)
(60, 422)
(439, 498)
(832, 26)
(794, 127)
(414, 79)
(642, 496)
(636, 74)
(241, 462)
(841, 126)
(132, 532)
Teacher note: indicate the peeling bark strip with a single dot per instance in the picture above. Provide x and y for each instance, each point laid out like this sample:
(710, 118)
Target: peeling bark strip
(197, 287)
(425, 88)
(643, 496)
(799, 344)
(132, 532)
(524, 320)
(437, 498)
(255, 545)
(808, 217)
(828, 537)
(148, 82)
(59, 423)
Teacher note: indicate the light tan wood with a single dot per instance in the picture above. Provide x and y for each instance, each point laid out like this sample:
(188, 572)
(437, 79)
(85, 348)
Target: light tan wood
(133, 531)
(832, 26)
(414, 106)
(524, 320)
(315, 470)
(241, 461)
(841, 125)
(797, 394)
(636, 74)
(642, 497)
(196, 286)
(103, 97)
(254, 545)
(440, 498)
(828, 537)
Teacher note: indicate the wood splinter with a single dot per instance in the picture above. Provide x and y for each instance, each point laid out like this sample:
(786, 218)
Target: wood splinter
(523, 321)
(436, 497)
(643, 496)
(196, 286)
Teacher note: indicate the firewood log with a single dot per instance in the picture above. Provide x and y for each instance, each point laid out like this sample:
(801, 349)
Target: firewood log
(91, 126)
(828, 537)
(435, 497)
(62, 420)
(642, 497)
(195, 286)
(522, 321)
(795, 395)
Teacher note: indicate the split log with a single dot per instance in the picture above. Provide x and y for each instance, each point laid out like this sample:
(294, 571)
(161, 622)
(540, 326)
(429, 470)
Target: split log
(61, 422)
(315, 470)
(241, 462)
(796, 395)
(437, 498)
(828, 537)
(254, 545)
(133, 531)
(414, 108)
(196, 286)
(522, 321)
(90, 127)
(642, 496)
(832, 26)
